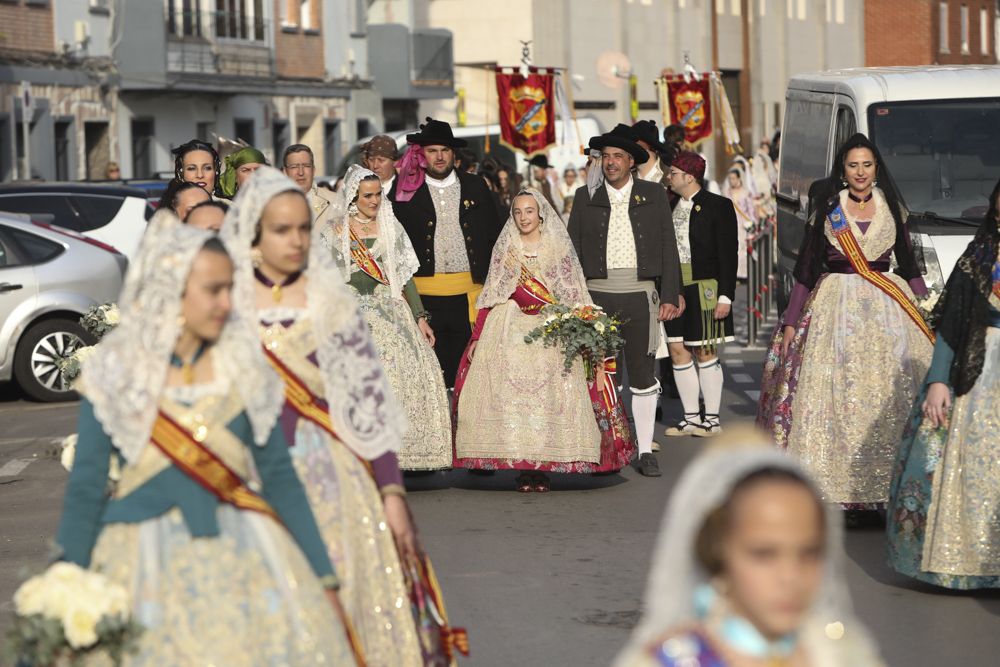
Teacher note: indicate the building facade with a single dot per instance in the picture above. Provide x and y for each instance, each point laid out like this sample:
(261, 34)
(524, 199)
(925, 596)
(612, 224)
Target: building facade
(931, 32)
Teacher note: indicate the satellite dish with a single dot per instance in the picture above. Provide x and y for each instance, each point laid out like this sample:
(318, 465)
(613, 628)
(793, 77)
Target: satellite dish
(613, 69)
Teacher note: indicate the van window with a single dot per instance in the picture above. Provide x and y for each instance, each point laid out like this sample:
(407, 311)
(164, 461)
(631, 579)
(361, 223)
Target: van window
(846, 127)
(944, 155)
(804, 150)
(97, 210)
(54, 205)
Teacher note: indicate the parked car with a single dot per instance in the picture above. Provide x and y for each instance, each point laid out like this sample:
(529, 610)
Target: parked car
(114, 215)
(49, 277)
(938, 130)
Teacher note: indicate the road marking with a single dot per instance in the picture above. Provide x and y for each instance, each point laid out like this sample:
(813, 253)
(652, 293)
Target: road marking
(734, 363)
(12, 468)
(753, 394)
(742, 378)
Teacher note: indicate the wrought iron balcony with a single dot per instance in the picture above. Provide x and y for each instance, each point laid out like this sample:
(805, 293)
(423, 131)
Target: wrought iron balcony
(228, 43)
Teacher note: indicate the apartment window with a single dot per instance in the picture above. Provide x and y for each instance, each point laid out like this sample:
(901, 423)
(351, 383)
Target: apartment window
(943, 27)
(964, 15)
(358, 19)
(240, 19)
(984, 31)
(184, 18)
(735, 8)
(205, 131)
(305, 14)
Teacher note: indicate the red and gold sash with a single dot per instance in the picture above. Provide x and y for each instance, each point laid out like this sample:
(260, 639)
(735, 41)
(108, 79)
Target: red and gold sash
(365, 260)
(535, 288)
(610, 389)
(205, 467)
(303, 401)
(849, 245)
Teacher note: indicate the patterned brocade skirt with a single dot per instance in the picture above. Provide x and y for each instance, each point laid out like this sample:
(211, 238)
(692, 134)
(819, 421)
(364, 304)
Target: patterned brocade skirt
(416, 379)
(840, 400)
(519, 409)
(944, 504)
(350, 515)
(246, 598)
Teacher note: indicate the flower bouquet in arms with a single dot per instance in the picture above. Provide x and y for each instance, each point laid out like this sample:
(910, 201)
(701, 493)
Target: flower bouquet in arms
(98, 321)
(68, 614)
(583, 331)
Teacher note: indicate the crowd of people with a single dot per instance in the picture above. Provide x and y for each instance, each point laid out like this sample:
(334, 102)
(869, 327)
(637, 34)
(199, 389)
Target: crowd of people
(286, 352)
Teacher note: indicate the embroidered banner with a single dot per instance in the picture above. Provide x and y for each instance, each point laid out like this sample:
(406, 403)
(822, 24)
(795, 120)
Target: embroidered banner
(690, 104)
(364, 259)
(205, 467)
(527, 110)
(849, 245)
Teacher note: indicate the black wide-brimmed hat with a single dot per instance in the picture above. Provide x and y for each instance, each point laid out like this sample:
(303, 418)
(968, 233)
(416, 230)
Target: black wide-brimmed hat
(621, 137)
(646, 131)
(436, 133)
(541, 161)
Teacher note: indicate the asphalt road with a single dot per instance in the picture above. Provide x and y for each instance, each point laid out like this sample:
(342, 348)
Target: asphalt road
(552, 579)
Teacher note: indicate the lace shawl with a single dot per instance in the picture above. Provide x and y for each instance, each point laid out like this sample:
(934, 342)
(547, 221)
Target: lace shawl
(392, 248)
(557, 261)
(363, 409)
(962, 313)
(125, 377)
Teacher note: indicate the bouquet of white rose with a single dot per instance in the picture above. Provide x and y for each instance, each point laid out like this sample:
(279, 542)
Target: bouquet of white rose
(98, 321)
(67, 613)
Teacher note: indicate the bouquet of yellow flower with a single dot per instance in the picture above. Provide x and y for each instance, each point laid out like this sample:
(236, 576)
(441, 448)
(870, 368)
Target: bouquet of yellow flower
(68, 613)
(582, 330)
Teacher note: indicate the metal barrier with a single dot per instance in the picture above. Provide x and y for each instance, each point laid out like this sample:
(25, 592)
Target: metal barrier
(761, 272)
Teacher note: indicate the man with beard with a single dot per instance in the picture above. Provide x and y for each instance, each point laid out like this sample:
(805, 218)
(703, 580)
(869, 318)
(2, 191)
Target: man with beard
(624, 236)
(452, 222)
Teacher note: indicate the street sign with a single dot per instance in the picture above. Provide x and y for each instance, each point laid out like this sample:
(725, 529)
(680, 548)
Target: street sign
(27, 98)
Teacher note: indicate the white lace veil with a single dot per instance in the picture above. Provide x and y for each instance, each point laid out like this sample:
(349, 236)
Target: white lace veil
(363, 409)
(675, 573)
(125, 376)
(393, 246)
(557, 261)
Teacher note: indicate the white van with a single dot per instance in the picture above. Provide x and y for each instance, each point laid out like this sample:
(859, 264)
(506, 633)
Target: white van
(938, 130)
(564, 153)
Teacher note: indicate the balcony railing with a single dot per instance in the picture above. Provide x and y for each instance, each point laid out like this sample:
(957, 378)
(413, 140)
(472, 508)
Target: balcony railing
(228, 43)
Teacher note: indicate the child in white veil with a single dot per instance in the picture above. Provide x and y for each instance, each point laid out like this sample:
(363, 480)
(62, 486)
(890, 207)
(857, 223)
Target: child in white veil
(690, 615)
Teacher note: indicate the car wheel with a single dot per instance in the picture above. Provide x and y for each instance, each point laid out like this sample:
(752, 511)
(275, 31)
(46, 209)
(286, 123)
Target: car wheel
(36, 367)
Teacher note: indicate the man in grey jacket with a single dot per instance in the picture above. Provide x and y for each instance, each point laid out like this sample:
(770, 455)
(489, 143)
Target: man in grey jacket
(624, 236)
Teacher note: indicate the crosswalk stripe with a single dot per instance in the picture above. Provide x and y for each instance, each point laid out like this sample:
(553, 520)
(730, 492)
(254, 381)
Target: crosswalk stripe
(15, 467)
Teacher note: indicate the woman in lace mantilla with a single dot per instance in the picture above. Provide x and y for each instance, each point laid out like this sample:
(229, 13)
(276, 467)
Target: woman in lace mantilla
(374, 253)
(844, 369)
(208, 527)
(945, 494)
(517, 408)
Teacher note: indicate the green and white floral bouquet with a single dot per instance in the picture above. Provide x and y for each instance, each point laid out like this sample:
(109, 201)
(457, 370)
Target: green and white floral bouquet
(98, 321)
(67, 614)
(582, 331)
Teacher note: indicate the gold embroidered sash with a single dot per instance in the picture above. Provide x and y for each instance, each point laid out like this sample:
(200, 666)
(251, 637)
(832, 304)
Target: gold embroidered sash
(849, 246)
(303, 401)
(200, 463)
(365, 260)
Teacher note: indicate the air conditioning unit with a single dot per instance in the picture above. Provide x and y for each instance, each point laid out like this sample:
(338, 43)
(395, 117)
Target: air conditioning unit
(100, 4)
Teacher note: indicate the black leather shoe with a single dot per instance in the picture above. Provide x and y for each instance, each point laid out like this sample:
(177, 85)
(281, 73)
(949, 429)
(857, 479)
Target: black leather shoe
(648, 466)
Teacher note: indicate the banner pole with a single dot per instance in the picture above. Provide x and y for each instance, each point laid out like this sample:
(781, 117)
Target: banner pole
(568, 87)
(486, 125)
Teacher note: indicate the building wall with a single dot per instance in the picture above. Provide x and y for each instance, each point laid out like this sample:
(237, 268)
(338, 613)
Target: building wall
(899, 32)
(954, 53)
(298, 44)
(68, 13)
(26, 27)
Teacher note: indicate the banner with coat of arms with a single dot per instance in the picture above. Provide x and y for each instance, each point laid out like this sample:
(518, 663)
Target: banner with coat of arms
(527, 110)
(690, 105)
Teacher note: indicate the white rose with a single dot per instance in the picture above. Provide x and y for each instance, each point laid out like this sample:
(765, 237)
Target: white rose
(80, 626)
(599, 327)
(68, 451)
(566, 316)
(84, 353)
(30, 597)
(112, 316)
(550, 319)
(64, 572)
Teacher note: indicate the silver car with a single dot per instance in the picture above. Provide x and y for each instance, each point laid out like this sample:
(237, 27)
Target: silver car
(49, 277)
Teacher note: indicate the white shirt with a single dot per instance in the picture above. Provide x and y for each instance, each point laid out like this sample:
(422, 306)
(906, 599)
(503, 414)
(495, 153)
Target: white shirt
(621, 240)
(682, 231)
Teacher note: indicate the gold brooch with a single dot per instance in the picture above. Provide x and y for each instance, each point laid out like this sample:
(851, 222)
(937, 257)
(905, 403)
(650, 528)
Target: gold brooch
(697, 207)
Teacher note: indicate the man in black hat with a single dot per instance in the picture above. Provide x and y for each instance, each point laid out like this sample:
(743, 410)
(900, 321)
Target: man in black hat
(540, 178)
(624, 236)
(648, 137)
(452, 221)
